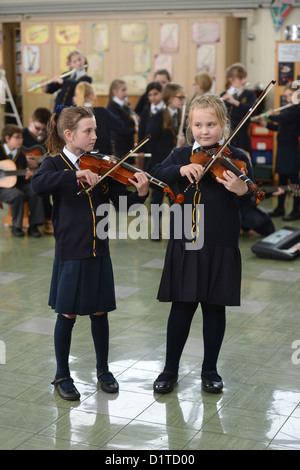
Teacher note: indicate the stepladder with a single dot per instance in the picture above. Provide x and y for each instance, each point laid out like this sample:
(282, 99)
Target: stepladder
(6, 97)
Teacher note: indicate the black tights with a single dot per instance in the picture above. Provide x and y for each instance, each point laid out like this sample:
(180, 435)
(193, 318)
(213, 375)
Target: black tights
(180, 319)
(62, 342)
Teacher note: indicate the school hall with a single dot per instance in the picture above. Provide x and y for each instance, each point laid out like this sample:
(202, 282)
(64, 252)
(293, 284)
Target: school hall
(259, 361)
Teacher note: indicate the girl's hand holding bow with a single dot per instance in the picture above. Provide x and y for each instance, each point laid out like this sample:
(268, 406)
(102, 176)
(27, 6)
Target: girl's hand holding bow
(87, 176)
(193, 172)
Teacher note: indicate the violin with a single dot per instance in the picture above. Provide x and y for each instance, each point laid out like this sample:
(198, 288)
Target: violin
(221, 157)
(222, 163)
(101, 164)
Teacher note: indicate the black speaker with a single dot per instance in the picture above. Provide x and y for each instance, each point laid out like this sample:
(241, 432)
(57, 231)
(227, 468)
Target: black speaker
(283, 244)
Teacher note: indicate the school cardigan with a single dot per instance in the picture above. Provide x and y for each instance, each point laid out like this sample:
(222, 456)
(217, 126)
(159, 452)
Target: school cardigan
(31, 142)
(123, 138)
(162, 140)
(236, 113)
(107, 123)
(221, 207)
(74, 216)
(287, 123)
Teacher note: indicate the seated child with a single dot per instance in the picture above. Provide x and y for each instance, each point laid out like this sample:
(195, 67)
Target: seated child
(10, 148)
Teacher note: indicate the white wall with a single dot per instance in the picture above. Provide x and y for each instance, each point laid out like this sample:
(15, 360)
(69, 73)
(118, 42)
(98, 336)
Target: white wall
(260, 52)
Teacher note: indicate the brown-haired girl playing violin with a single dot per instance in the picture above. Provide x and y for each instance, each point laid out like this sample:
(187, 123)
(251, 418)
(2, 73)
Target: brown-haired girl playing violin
(82, 278)
(211, 275)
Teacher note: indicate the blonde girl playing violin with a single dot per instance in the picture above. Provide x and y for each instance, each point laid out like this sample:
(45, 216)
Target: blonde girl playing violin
(82, 278)
(211, 274)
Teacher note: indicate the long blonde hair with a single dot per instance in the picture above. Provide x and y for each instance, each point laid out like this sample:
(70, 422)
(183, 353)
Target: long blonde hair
(84, 93)
(208, 101)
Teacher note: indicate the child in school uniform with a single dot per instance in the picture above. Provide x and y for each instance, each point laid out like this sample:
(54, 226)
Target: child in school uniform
(34, 147)
(118, 104)
(106, 121)
(10, 148)
(238, 100)
(154, 105)
(164, 125)
(209, 274)
(287, 165)
(161, 76)
(163, 128)
(65, 87)
(35, 135)
(82, 278)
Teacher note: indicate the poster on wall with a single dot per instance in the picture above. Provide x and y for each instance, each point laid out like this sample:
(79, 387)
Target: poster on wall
(136, 84)
(289, 52)
(68, 34)
(141, 58)
(64, 52)
(285, 73)
(134, 32)
(169, 37)
(206, 58)
(206, 32)
(37, 34)
(100, 37)
(31, 59)
(163, 61)
(34, 83)
(96, 66)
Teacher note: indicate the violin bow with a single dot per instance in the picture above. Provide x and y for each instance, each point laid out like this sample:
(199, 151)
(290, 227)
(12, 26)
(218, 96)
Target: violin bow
(118, 163)
(240, 124)
(181, 123)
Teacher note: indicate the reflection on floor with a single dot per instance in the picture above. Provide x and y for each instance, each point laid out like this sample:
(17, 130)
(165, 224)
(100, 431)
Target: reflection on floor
(259, 361)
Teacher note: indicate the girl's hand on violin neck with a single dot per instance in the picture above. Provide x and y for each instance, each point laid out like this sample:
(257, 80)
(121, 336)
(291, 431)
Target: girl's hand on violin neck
(193, 172)
(87, 176)
(141, 182)
(233, 183)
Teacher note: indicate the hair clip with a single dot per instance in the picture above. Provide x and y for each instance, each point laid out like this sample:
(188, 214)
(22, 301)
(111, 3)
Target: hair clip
(60, 107)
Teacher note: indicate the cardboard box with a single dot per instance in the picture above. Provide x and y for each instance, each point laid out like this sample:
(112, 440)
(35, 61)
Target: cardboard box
(258, 130)
(263, 172)
(261, 143)
(262, 157)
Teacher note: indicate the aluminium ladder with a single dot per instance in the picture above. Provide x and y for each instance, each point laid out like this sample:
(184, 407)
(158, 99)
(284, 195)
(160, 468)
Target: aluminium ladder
(8, 98)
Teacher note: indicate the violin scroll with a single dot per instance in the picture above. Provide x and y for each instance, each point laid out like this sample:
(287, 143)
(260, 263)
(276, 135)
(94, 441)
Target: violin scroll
(177, 198)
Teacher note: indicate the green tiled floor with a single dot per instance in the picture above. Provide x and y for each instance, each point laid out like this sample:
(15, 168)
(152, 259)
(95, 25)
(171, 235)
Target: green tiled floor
(259, 408)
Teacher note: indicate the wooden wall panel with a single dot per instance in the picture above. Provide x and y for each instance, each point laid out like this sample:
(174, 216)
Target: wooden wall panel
(118, 60)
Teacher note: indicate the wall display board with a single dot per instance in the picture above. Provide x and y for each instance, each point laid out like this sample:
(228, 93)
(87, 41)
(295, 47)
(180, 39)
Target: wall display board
(127, 46)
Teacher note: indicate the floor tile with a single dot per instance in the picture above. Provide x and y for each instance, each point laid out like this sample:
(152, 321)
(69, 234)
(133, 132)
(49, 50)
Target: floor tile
(259, 408)
(43, 326)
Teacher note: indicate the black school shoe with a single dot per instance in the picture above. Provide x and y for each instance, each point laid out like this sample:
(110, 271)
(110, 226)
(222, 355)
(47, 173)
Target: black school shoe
(165, 386)
(211, 382)
(276, 212)
(292, 216)
(17, 232)
(108, 384)
(70, 395)
(33, 231)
